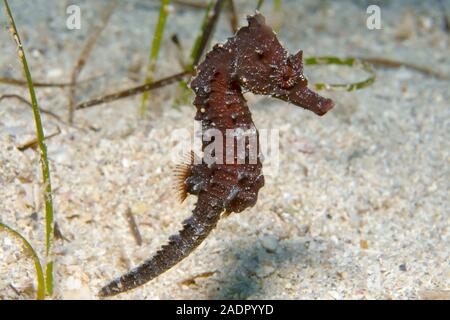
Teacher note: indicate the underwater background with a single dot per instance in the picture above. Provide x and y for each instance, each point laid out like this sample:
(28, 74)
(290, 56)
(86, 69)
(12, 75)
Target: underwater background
(357, 207)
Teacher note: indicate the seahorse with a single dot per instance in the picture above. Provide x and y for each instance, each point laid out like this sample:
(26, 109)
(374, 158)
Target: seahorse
(252, 60)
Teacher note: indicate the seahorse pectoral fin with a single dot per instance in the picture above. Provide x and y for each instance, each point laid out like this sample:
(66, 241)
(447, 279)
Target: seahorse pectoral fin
(194, 231)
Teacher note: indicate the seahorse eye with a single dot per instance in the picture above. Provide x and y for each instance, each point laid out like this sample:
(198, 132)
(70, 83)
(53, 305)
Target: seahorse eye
(287, 81)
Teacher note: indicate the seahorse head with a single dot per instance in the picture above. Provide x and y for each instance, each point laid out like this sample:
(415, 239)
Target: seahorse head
(262, 66)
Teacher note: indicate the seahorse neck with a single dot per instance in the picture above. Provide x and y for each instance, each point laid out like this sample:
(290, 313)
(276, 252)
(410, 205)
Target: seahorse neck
(219, 100)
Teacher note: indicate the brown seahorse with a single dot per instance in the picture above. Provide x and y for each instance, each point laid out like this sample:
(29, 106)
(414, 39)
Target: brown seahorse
(254, 60)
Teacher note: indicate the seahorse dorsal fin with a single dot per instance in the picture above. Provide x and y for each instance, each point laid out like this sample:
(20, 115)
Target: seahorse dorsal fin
(226, 214)
(180, 174)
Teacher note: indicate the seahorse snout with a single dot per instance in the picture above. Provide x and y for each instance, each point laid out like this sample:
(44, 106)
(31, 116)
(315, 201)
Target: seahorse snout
(308, 99)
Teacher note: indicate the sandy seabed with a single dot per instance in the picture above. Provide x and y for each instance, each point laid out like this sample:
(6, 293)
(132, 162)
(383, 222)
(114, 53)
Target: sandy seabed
(359, 208)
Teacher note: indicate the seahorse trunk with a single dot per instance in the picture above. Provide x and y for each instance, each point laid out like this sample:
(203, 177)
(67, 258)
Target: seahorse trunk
(195, 229)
